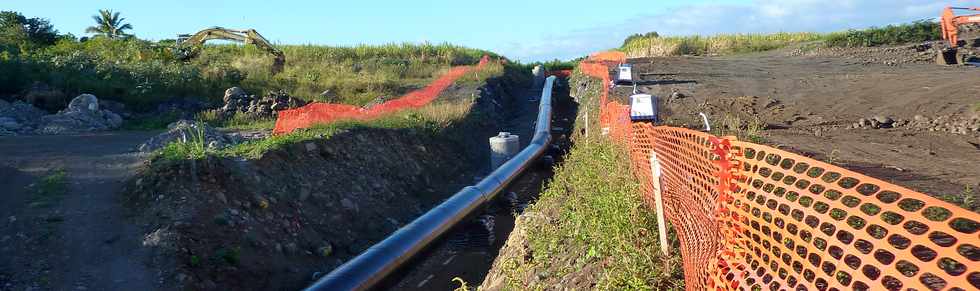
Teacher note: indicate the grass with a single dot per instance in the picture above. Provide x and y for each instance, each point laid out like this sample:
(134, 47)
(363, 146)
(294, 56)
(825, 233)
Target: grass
(591, 214)
(654, 45)
(193, 147)
(142, 73)
(918, 31)
(429, 119)
(751, 130)
(49, 189)
(714, 45)
(966, 199)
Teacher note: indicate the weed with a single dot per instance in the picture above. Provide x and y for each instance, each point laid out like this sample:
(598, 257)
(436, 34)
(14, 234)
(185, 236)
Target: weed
(49, 189)
(192, 145)
(195, 261)
(238, 120)
(751, 130)
(966, 199)
(462, 284)
(833, 157)
(593, 206)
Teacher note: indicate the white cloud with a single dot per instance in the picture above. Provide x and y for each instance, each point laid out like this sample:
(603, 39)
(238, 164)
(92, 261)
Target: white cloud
(757, 16)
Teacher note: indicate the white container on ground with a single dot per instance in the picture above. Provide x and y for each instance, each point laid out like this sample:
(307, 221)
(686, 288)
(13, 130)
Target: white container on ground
(503, 147)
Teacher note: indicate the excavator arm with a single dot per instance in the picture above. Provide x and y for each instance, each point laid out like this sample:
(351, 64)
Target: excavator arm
(950, 23)
(189, 45)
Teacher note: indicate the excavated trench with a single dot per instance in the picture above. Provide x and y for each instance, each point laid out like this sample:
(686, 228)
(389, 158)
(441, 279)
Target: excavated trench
(281, 220)
(467, 252)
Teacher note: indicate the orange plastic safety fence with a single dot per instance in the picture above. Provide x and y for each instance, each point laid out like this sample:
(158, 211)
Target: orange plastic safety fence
(316, 113)
(752, 217)
(689, 161)
(798, 222)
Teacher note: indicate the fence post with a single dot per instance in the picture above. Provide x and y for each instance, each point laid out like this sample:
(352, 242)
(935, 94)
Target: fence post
(656, 173)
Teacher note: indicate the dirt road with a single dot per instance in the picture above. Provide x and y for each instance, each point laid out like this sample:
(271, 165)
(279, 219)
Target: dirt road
(76, 238)
(810, 105)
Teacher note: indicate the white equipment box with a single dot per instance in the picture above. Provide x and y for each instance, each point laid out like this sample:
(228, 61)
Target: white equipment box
(624, 74)
(643, 107)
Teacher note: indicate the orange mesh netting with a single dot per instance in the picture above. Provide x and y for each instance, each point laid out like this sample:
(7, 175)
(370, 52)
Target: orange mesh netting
(752, 217)
(315, 113)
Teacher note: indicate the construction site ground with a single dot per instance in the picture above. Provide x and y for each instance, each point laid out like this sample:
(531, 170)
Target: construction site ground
(815, 104)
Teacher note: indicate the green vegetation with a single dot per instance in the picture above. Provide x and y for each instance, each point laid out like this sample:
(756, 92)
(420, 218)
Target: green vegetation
(918, 31)
(652, 44)
(751, 130)
(966, 199)
(591, 214)
(143, 73)
(49, 189)
(109, 24)
(431, 119)
(194, 147)
(716, 44)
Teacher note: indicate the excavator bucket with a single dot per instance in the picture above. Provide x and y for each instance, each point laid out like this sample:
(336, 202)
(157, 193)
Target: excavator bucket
(949, 56)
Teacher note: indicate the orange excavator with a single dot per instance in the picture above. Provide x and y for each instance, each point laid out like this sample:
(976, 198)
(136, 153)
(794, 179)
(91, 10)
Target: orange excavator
(950, 24)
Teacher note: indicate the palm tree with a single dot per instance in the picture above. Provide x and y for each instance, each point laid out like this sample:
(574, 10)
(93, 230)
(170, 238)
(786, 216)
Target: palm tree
(109, 24)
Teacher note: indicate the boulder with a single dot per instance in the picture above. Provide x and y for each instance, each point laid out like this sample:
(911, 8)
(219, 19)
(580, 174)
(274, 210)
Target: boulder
(84, 103)
(234, 93)
(81, 115)
(189, 131)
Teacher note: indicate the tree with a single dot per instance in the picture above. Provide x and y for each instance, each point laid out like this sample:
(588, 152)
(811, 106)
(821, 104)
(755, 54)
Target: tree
(109, 24)
(652, 34)
(17, 30)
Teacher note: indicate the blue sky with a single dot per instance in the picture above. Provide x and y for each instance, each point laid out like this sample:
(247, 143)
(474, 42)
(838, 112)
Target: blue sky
(523, 30)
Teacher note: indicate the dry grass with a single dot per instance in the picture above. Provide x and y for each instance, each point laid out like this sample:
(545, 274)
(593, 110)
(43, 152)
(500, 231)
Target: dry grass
(713, 45)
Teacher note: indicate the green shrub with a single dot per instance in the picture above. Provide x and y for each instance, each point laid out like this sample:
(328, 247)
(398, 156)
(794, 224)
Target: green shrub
(918, 31)
(141, 73)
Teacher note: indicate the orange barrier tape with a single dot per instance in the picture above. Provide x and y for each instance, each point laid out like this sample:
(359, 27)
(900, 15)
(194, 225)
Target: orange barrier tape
(752, 217)
(559, 73)
(316, 113)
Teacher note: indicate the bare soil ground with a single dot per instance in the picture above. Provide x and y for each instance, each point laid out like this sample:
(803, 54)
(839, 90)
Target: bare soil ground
(77, 239)
(810, 104)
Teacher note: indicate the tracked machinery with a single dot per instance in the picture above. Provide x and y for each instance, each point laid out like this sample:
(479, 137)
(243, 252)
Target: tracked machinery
(950, 25)
(189, 45)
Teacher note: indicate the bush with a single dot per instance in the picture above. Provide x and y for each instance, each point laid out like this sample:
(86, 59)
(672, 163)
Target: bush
(141, 73)
(919, 31)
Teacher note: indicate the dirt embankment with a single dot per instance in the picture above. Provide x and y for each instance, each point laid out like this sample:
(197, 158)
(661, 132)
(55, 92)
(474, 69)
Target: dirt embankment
(279, 221)
(914, 124)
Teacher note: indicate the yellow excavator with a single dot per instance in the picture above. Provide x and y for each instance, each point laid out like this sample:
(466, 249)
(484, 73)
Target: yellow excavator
(189, 45)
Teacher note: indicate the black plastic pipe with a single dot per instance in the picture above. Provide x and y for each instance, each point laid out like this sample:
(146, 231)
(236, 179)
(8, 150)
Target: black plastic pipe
(378, 261)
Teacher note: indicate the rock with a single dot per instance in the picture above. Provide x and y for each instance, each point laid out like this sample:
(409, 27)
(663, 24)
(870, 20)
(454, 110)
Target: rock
(10, 124)
(920, 118)
(188, 131)
(115, 107)
(112, 119)
(234, 93)
(863, 122)
(884, 120)
(81, 115)
(84, 103)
